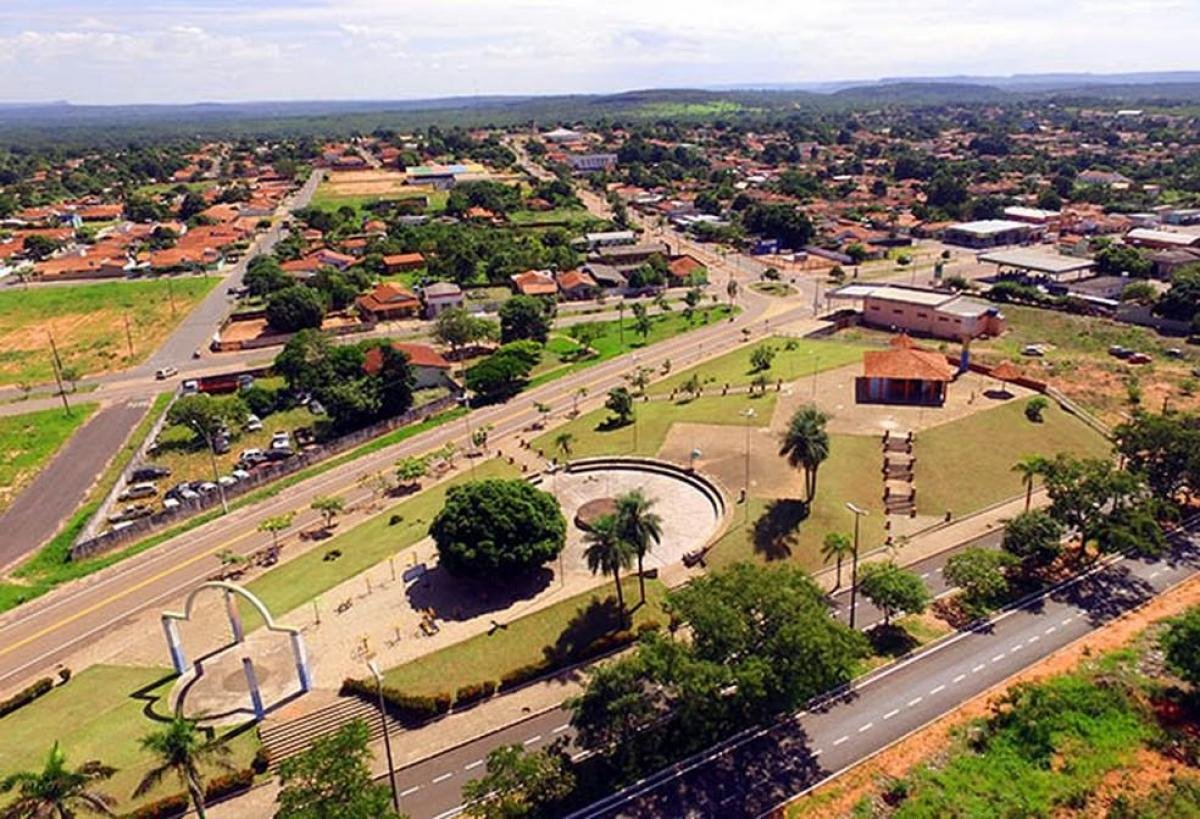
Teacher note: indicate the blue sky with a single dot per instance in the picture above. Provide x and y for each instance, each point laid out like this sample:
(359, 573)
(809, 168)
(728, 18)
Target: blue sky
(115, 51)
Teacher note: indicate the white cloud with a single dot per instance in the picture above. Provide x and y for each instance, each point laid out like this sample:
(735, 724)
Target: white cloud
(222, 49)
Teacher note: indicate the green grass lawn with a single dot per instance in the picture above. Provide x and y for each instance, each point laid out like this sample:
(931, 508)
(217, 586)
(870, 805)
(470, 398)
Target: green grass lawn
(576, 218)
(299, 580)
(88, 324)
(102, 713)
(967, 465)
(653, 421)
(29, 441)
(326, 199)
(164, 187)
(782, 529)
(550, 632)
(794, 358)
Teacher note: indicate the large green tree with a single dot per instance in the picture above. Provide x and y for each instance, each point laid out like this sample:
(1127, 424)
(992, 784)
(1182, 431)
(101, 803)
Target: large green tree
(1181, 645)
(982, 574)
(607, 552)
(295, 308)
(497, 528)
(525, 317)
(1033, 537)
(205, 414)
(57, 791)
(332, 779)
(641, 527)
(892, 589)
(519, 783)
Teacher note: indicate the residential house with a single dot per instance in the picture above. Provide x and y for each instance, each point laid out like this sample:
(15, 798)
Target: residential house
(535, 283)
(388, 302)
(441, 296)
(428, 366)
(685, 269)
(577, 285)
(402, 262)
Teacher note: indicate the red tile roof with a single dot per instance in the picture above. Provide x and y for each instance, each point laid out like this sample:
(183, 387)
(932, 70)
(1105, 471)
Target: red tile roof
(907, 363)
(535, 283)
(419, 355)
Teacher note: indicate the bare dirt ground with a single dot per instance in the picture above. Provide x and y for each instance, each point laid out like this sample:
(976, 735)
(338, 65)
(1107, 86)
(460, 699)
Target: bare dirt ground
(838, 798)
(368, 183)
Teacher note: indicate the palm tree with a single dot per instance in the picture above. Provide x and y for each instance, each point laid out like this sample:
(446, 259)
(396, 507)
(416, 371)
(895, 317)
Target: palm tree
(563, 442)
(806, 444)
(837, 545)
(639, 527)
(607, 552)
(58, 792)
(1029, 468)
(181, 748)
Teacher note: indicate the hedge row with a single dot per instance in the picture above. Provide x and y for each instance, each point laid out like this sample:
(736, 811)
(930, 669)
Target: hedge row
(414, 709)
(26, 695)
(177, 804)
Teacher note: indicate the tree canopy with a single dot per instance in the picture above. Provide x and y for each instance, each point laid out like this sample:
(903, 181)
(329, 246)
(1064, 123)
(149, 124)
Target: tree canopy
(497, 528)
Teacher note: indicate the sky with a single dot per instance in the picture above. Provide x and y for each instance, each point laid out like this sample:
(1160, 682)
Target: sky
(159, 51)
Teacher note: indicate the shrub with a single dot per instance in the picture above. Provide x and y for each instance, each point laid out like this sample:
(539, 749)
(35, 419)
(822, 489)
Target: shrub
(177, 804)
(1035, 408)
(261, 761)
(409, 709)
(26, 695)
(166, 808)
(473, 692)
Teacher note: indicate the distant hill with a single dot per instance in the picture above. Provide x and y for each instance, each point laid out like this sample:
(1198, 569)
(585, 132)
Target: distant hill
(921, 93)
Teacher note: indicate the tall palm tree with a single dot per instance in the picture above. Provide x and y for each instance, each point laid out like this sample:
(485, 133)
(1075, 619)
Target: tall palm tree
(1029, 468)
(564, 442)
(639, 527)
(837, 545)
(57, 792)
(607, 552)
(806, 444)
(181, 748)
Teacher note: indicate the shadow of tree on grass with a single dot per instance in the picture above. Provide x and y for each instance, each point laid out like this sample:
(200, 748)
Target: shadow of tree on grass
(776, 531)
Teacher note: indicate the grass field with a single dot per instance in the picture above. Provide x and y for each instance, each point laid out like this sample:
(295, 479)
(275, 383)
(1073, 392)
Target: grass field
(299, 580)
(88, 324)
(101, 713)
(782, 529)
(653, 421)
(967, 465)
(794, 358)
(572, 218)
(617, 337)
(552, 631)
(331, 195)
(28, 442)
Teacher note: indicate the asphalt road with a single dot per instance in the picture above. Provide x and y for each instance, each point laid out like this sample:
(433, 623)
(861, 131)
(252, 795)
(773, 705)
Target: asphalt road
(41, 633)
(38, 510)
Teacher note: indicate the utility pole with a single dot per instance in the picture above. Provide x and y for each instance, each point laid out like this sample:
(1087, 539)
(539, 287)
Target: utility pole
(57, 363)
(128, 335)
(858, 513)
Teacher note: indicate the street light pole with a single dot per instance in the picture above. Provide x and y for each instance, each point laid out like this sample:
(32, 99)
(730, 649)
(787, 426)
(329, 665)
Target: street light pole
(212, 454)
(748, 415)
(858, 513)
(387, 739)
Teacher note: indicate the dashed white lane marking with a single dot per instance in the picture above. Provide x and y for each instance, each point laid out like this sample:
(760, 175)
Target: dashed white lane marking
(840, 740)
(978, 668)
(914, 701)
(1050, 630)
(1155, 573)
(938, 570)
(533, 739)
(1066, 620)
(924, 575)
(959, 678)
(561, 728)
(997, 658)
(442, 778)
(471, 765)
(411, 790)
(1014, 649)
(1034, 638)
(578, 756)
(891, 713)
(937, 690)
(866, 727)
(817, 752)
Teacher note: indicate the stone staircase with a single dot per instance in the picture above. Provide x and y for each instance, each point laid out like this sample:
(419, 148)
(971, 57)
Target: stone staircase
(285, 739)
(899, 471)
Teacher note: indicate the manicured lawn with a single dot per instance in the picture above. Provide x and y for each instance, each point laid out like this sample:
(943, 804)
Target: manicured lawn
(579, 218)
(653, 421)
(617, 337)
(299, 580)
(966, 465)
(550, 632)
(102, 713)
(29, 441)
(88, 324)
(782, 529)
(794, 358)
(164, 187)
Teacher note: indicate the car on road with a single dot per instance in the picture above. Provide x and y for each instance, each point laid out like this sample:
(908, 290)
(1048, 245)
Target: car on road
(189, 387)
(149, 472)
(138, 490)
(163, 373)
